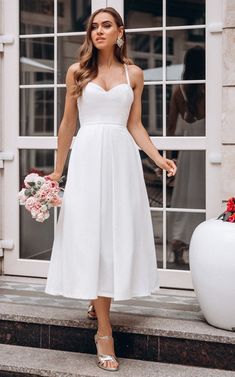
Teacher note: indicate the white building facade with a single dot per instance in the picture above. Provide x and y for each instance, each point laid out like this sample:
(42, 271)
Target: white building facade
(40, 39)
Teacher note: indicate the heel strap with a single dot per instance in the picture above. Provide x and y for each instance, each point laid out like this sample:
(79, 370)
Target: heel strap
(97, 336)
(91, 308)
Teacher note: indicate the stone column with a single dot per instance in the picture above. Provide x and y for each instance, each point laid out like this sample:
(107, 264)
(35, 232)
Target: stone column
(228, 110)
(1, 133)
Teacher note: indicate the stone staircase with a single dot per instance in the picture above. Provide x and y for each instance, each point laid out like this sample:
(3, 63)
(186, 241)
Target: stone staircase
(162, 335)
(28, 361)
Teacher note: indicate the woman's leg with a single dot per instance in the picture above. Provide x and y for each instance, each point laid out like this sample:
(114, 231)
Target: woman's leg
(106, 347)
(91, 310)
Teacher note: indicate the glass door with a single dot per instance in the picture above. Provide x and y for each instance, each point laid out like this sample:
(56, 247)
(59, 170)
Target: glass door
(48, 34)
(171, 41)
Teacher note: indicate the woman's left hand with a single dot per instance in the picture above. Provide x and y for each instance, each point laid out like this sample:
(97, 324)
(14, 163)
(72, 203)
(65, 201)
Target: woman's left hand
(168, 165)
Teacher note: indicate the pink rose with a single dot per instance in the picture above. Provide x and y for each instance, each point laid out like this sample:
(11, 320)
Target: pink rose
(41, 216)
(32, 202)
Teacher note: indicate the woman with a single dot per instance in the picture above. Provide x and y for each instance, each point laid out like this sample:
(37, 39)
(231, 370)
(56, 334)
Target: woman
(104, 246)
(187, 111)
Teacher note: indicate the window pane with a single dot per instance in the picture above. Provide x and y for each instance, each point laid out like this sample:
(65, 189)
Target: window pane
(37, 61)
(184, 62)
(32, 244)
(146, 51)
(180, 227)
(188, 188)
(181, 12)
(73, 15)
(61, 92)
(157, 220)
(139, 13)
(152, 109)
(65, 172)
(39, 161)
(68, 51)
(185, 109)
(36, 112)
(36, 17)
(153, 180)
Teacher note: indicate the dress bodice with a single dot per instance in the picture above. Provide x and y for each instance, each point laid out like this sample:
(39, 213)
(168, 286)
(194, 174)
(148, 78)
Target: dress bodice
(97, 105)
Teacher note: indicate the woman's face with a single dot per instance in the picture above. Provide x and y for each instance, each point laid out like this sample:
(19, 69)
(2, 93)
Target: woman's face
(104, 31)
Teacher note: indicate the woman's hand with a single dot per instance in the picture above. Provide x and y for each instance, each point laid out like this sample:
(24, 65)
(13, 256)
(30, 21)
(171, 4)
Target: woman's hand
(54, 176)
(167, 165)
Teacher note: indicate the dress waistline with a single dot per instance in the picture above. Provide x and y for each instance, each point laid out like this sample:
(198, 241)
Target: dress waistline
(110, 124)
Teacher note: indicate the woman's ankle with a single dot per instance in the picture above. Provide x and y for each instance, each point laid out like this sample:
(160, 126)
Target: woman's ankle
(104, 331)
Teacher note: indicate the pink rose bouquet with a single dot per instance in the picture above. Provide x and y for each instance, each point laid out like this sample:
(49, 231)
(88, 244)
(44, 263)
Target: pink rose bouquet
(39, 195)
(229, 213)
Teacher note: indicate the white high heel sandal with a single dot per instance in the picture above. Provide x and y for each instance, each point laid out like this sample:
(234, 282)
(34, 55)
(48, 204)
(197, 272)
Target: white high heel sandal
(101, 358)
(91, 314)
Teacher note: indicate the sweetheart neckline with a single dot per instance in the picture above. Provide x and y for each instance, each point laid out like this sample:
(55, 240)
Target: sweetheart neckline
(107, 91)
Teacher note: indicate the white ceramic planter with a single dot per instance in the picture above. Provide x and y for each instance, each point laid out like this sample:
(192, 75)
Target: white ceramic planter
(212, 264)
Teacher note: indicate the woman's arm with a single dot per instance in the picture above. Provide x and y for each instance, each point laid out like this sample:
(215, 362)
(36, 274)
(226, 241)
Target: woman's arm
(137, 129)
(67, 126)
(173, 113)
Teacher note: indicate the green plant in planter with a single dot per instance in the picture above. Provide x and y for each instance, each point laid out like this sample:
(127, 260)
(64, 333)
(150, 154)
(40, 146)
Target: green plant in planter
(229, 213)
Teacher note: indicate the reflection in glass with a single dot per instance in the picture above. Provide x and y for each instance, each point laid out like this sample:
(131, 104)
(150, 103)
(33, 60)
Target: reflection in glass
(177, 51)
(190, 12)
(188, 188)
(186, 110)
(73, 15)
(180, 226)
(153, 180)
(186, 191)
(36, 112)
(68, 51)
(36, 61)
(36, 17)
(35, 238)
(146, 51)
(39, 161)
(152, 109)
(58, 213)
(61, 92)
(65, 173)
(139, 13)
(157, 220)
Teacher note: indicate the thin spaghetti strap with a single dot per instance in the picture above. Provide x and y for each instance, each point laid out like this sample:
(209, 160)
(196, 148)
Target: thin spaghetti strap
(127, 74)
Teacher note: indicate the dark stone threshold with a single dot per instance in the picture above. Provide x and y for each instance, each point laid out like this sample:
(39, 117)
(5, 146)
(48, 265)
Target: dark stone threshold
(190, 352)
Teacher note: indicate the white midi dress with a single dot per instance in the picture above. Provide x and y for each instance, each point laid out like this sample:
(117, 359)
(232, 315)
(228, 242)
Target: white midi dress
(104, 242)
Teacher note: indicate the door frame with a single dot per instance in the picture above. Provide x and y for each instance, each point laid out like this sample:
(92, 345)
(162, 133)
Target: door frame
(12, 142)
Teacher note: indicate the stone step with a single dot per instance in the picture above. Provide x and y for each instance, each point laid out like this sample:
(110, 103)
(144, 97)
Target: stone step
(136, 336)
(166, 327)
(32, 362)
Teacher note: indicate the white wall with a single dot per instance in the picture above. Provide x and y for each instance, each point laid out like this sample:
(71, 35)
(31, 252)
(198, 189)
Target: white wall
(228, 107)
(1, 73)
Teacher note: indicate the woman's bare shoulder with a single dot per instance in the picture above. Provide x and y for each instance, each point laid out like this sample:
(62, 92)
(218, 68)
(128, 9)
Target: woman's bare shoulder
(136, 74)
(74, 67)
(70, 73)
(135, 70)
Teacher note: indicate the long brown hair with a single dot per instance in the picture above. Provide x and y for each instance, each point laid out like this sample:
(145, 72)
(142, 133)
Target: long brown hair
(194, 69)
(88, 53)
